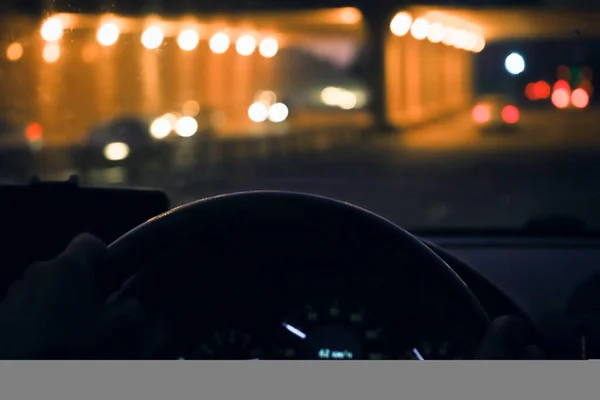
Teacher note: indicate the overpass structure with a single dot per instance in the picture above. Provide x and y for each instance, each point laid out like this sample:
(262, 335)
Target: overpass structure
(72, 70)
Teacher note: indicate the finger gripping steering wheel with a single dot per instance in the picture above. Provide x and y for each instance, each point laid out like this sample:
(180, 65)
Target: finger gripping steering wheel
(218, 228)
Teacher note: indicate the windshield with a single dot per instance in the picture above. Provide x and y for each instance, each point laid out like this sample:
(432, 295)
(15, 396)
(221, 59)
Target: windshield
(433, 116)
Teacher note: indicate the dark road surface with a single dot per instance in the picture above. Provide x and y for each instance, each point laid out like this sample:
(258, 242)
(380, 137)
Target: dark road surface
(445, 175)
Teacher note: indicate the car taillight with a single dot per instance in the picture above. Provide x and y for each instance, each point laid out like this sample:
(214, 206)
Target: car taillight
(34, 132)
(481, 114)
(510, 114)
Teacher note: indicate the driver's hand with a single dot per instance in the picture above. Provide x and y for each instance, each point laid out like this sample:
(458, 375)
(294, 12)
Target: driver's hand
(56, 311)
(509, 338)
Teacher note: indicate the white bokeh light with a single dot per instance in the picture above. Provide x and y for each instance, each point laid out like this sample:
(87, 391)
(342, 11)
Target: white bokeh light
(268, 47)
(52, 30)
(219, 43)
(278, 112)
(514, 64)
(188, 40)
(401, 24)
(420, 29)
(108, 34)
(258, 112)
(152, 38)
(245, 45)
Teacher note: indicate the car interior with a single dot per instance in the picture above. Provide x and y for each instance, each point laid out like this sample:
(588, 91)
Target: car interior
(284, 275)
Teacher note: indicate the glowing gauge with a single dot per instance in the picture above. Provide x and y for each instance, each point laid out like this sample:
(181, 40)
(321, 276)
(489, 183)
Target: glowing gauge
(226, 344)
(332, 330)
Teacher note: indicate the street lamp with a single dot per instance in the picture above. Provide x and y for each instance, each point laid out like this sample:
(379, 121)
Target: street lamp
(514, 64)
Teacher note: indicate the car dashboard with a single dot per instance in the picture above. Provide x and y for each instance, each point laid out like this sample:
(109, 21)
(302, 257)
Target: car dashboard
(550, 281)
(299, 313)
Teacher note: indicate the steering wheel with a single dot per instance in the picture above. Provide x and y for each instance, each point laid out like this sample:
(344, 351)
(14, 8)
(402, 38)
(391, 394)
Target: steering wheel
(221, 227)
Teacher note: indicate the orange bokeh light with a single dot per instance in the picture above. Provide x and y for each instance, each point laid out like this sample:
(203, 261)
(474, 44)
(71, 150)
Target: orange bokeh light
(34, 131)
(481, 114)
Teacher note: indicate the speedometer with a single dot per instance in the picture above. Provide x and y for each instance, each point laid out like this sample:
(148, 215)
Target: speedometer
(332, 330)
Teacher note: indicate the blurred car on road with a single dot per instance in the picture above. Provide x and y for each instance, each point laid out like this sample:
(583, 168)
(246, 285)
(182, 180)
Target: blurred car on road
(496, 113)
(124, 141)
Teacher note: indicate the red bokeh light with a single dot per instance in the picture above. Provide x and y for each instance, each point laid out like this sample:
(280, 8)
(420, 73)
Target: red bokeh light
(542, 90)
(530, 91)
(510, 114)
(562, 84)
(580, 98)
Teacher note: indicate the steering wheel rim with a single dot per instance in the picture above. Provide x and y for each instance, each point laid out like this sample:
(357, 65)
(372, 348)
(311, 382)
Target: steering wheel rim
(134, 243)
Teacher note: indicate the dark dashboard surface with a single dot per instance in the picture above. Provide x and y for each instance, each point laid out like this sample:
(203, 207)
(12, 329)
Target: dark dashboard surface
(551, 280)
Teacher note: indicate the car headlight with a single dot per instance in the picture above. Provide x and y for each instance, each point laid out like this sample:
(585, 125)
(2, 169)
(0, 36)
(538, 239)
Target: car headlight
(116, 151)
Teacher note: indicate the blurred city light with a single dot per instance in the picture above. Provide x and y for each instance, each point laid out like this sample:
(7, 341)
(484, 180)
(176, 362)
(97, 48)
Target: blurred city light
(338, 97)
(350, 15)
(537, 90)
(52, 30)
(460, 39)
(560, 98)
(191, 108)
(419, 29)
(268, 47)
(401, 24)
(51, 52)
(481, 114)
(219, 43)
(258, 112)
(448, 38)
(245, 45)
(480, 45)
(186, 127)
(579, 98)
(542, 90)
(347, 100)
(561, 84)
(14, 51)
(116, 151)
(278, 112)
(108, 34)
(267, 97)
(514, 64)
(471, 41)
(160, 128)
(34, 132)
(152, 38)
(188, 39)
(510, 114)
(530, 91)
(436, 32)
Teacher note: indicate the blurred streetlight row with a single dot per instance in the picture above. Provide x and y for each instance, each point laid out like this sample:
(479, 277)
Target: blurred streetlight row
(422, 28)
(188, 39)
